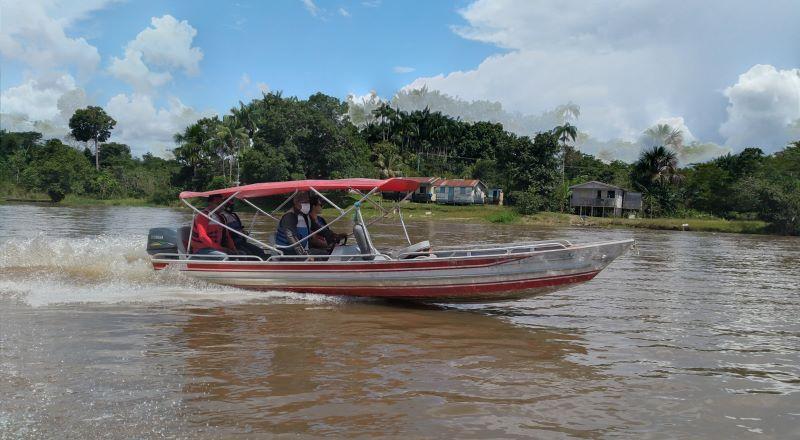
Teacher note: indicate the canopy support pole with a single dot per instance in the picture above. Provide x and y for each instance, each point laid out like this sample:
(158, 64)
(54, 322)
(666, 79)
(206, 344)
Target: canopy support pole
(344, 213)
(208, 216)
(341, 211)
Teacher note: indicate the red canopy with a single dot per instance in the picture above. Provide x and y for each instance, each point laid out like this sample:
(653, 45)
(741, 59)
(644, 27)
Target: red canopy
(273, 188)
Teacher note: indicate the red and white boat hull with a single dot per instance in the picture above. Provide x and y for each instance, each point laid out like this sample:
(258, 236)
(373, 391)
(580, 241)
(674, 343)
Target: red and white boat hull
(480, 278)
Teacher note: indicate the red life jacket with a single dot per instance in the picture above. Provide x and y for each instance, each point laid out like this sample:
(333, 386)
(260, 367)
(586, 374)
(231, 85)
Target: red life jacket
(207, 234)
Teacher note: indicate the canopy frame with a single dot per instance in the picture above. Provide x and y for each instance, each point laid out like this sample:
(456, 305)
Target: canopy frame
(279, 249)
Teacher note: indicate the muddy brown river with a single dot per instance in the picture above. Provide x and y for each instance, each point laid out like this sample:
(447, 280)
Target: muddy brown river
(696, 336)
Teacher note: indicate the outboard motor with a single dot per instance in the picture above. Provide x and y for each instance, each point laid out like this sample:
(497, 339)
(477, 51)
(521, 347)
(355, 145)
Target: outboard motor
(162, 240)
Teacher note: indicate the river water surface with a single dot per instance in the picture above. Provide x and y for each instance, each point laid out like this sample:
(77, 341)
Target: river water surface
(696, 336)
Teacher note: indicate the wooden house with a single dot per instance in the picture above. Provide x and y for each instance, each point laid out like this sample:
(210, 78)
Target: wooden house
(461, 192)
(494, 196)
(601, 199)
(426, 192)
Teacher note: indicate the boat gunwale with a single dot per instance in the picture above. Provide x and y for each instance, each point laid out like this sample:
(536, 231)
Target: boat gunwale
(388, 261)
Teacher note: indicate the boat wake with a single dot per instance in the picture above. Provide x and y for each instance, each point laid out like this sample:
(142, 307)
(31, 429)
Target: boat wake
(43, 271)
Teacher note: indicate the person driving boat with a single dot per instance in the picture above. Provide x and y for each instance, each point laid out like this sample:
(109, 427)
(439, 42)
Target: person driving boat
(326, 238)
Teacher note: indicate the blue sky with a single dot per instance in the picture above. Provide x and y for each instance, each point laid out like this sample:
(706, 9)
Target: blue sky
(724, 72)
(347, 47)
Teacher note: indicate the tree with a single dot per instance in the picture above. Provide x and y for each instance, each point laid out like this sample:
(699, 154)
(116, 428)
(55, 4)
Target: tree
(92, 123)
(665, 135)
(655, 173)
(565, 133)
(57, 170)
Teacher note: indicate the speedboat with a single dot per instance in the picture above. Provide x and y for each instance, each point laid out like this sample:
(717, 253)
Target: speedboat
(419, 272)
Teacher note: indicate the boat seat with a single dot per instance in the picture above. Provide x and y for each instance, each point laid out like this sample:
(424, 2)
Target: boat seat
(420, 249)
(363, 241)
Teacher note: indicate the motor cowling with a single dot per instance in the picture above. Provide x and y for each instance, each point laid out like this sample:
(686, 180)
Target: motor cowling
(162, 240)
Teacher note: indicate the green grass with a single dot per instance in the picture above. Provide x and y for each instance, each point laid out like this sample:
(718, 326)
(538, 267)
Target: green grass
(73, 200)
(503, 217)
(676, 224)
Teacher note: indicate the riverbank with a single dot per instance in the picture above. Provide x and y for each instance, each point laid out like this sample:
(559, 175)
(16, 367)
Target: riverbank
(74, 200)
(474, 213)
(507, 215)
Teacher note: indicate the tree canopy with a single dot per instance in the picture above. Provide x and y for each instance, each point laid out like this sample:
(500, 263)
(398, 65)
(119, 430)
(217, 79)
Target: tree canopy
(275, 138)
(92, 124)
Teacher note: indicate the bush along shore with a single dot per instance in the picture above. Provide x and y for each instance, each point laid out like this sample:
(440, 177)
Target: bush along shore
(276, 138)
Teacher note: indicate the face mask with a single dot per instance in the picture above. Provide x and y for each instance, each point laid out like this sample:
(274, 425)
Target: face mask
(305, 208)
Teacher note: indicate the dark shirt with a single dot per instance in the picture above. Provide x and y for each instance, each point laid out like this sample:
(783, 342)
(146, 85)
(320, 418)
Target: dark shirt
(327, 234)
(292, 228)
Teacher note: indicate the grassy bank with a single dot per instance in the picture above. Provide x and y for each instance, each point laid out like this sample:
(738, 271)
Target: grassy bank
(73, 200)
(506, 215)
(677, 224)
(477, 213)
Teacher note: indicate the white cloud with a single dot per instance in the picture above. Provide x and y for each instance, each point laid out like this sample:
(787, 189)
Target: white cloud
(344, 12)
(614, 89)
(147, 128)
(37, 98)
(35, 32)
(249, 89)
(403, 69)
(166, 44)
(133, 71)
(244, 82)
(764, 107)
(43, 104)
(311, 7)
(627, 64)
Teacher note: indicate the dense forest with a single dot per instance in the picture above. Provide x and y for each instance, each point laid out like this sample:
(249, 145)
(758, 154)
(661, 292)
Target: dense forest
(280, 138)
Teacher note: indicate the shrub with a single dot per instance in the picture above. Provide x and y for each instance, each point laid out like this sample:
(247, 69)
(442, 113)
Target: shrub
(528, 202)
(503, 217)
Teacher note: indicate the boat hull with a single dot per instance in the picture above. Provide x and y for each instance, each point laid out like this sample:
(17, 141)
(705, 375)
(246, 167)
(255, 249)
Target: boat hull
(479, 278)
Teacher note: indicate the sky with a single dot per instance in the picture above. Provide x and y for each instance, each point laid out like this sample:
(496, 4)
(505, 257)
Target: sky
(727, 73)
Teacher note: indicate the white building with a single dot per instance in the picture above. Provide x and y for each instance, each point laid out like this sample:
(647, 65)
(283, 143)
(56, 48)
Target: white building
(461, 192)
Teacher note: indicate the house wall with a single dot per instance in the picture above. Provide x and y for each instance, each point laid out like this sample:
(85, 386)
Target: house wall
(588, 197)
(461, 195)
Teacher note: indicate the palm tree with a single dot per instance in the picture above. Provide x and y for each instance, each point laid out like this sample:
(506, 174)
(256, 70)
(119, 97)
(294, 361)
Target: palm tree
(568, 111)
(664, 134)
(565, 133)
(385, 115)
(658, 166)
(191, 146)
(387, 163)
(245, 116)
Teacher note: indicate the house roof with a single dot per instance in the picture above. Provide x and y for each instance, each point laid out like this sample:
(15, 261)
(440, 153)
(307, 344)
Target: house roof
(595, 184)
(459, 182)
(424, 179)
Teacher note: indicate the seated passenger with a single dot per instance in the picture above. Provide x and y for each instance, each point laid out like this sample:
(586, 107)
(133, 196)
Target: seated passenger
(326, 239)
(233, 221)
(209, 237)
(294, 227)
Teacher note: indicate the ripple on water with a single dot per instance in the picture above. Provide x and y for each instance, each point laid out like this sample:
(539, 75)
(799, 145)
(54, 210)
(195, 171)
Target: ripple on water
(695, 337)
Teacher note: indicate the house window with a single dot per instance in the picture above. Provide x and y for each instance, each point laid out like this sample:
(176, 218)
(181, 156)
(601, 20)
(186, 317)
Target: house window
(441, 189)
(463, 190)
(599, 194)
(612, 195)
(422, 189)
